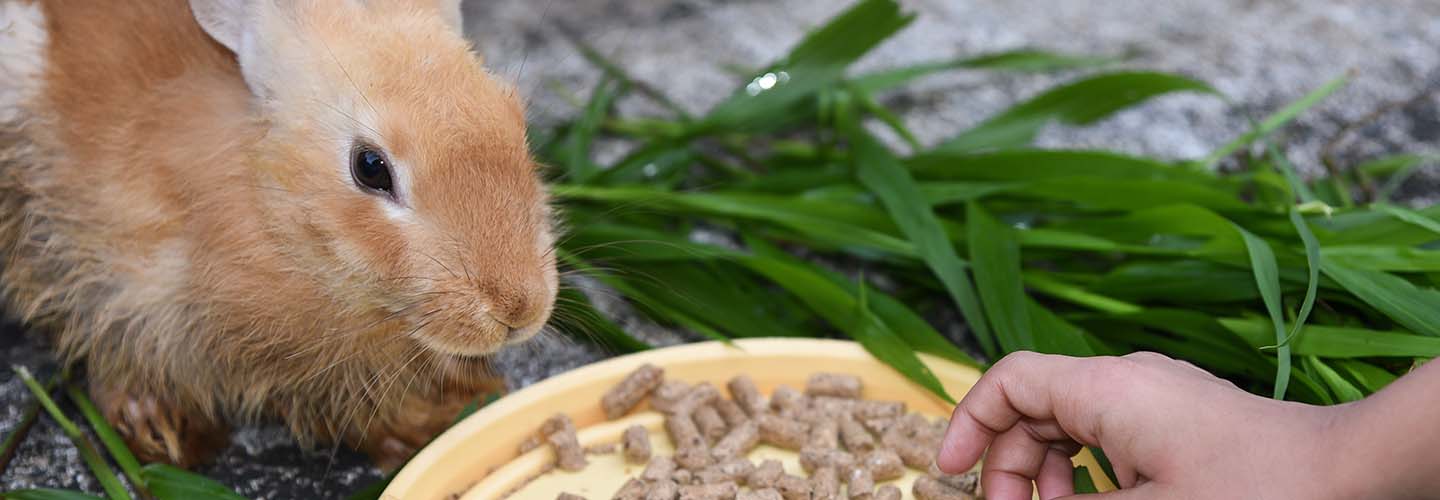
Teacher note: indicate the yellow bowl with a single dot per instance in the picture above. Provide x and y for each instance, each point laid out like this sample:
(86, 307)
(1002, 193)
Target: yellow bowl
(479, 459)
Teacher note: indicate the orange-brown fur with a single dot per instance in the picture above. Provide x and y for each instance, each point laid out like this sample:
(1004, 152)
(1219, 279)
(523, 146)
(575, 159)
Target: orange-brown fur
(200, 246)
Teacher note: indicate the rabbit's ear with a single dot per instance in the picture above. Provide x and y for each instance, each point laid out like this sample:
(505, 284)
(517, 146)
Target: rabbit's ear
(225, 20)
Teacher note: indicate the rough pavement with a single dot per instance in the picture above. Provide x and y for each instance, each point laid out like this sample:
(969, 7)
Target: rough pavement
(1261, 54)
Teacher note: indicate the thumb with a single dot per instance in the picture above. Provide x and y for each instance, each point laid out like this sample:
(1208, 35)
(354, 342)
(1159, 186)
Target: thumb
(1145, 491)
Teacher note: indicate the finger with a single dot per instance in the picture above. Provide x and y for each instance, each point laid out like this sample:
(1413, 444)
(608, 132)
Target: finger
(1057, 474)
(1146, 492)
(1023, 384)
(1013, 463)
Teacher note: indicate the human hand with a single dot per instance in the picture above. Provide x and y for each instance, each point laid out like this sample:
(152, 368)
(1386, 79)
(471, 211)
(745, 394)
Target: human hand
(1170, 429)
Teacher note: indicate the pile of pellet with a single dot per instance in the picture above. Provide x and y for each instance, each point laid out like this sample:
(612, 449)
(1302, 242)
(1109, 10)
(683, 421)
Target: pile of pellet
(844, 442)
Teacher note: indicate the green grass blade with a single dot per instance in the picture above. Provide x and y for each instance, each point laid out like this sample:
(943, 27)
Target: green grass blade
(108, 481)
(581, 319)
(1030, 165)
(1384, 258)
(48, 494)
(1371, 377)
(882, 174)
(1412, 307)
(574, 150)
(995, 257)
(1312, 285)
(170, 483)
(1338, 341)
(108, 437)
(1275, 121)
(1410, 216)
(1267, 280)
(1026, 60)
(1048, 285)
(1083, 482)
(1344, 391)
(1078, 103)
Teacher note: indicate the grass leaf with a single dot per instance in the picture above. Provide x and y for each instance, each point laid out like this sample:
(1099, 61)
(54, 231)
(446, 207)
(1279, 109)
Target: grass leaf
(1344, 391)
(108, 437)
(1412, 307)
(1029, 60)
(170, 483)
(1276, 120)
(1267, 280)
(48, 494)
(995, 256)
(1079, 103)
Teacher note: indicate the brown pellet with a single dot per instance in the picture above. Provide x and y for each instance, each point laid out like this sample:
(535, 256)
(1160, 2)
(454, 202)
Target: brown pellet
(793, 487)
(682, 476)
(683, 433)
(714, 491)
(731, 412)
(856, 438)
(824, 433)
(968, 482)
(879, 426)
(620, 399)
(786, 400)
(865, 409)
(735, 470)
(710, 424)
(887, 492)
(738, 442)
(859, 484)
(760, 494)
(664, 489)
(634, 489)
(568, 453)
(636, 441)
(766, 475)
(813, 458)
(833, 406)
(693, 458)
(782, 432)
(660, 467)
(568, 496)
(701, 394)
(929, 488)
(669, 393)
(883, 464)
(559, 422)
(530, 443)
(825, 484)
(837, 385)
(743, 390)
(915, 455)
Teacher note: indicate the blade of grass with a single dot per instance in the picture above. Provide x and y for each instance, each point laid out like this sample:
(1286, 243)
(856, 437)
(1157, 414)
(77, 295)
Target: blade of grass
(27, 420)
(170, 483)
(108, 482)
(1344, 391)
(1371, 377)
(1048, 285)
(1078, 103)
(1338, 341)
(1028, 60)
(1267, 280)
(47, 494)
(1312, 262)
(1412, 307)
(1083, 482)
(995, 257)
(881, 173)
(1275, 121)
(108, 437)
(1409, 216)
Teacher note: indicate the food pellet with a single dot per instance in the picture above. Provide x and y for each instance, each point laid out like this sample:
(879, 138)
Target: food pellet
(731, 412)
(793, 487)
(786, 400)
(701, 395)
(968, 482)
(878, 409)
(855, 437)
(878, 426)
(760, 494)
(737, 469)
(693, 458)
(664, 489)
(883, 464)
(813, 458)
(782, 432)
(837, 385)
(568, 453)
(766, 475)
(715, 491)
(710, 424)
(634, 489)
(682, 476)
(620, 399)
(683, 432)
(660, 467)
(859, 484)
(832, 406)
(560, 422)
(929, 488)
(738, 442)
(636, 441)
(743, 390)
(825, 484)
(824, 433)
(887, 492)
(568, 496)
(669, 393)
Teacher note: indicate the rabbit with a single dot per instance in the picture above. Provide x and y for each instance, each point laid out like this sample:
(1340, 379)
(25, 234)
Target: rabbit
(318, 211)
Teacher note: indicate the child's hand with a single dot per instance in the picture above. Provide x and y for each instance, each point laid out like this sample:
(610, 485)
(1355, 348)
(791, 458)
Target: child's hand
(1170, 429)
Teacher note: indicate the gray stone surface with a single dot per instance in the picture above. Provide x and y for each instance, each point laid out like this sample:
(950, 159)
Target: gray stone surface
(1261, 54)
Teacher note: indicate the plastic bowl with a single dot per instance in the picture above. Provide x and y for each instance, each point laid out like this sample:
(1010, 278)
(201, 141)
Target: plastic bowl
(478, 458)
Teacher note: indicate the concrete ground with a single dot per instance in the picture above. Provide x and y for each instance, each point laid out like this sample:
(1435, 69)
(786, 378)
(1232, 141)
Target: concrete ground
(1261, 54)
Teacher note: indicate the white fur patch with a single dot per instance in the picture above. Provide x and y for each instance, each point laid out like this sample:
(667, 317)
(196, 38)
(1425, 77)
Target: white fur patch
(22, 55)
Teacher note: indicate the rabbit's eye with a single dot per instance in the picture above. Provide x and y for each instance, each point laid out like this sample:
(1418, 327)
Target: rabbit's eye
(371, 170)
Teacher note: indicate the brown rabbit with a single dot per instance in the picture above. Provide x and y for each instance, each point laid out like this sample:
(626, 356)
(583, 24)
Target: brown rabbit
(322, 211)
